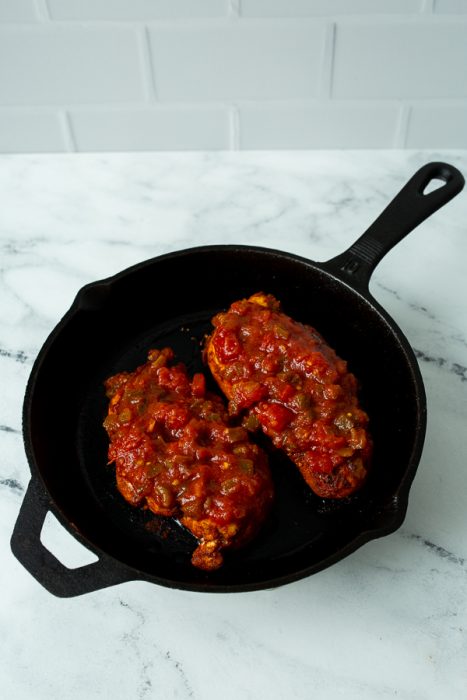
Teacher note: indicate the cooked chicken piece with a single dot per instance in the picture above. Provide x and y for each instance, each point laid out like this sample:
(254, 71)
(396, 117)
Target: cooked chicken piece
(282, 377)
(176, 453)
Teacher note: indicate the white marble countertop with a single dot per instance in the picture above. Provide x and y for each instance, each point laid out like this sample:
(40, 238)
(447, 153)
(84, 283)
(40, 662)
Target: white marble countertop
(388, 621)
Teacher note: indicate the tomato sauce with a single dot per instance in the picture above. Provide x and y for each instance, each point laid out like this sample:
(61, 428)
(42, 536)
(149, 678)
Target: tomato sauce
(176, 453)
(282, 377)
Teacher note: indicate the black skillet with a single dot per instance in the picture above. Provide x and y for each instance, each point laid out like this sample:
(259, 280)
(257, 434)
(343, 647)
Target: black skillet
(170, 300)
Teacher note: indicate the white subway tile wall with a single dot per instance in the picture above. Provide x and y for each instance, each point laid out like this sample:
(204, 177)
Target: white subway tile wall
(152, 128)
(445, 125)
(450, 6)
(18, 11)
(121, 75)
(128, 10)
(33, 131)
(310, 8)
(403, 60)
(336, 124)
(254, 60)
(60, 65)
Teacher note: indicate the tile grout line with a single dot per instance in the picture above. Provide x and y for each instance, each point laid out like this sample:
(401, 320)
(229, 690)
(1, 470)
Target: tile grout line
(234, 128)
(233, 9)
(402, 127)
(428, 7)
(150, 85)
(67, 131)
(42, 10)
(325, 88)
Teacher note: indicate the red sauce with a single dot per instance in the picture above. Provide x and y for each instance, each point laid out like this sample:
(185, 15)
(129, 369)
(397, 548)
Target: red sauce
(282, 376)
(176, 453)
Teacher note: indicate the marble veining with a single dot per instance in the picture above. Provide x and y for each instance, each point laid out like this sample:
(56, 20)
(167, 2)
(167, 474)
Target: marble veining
(389, 620)
(439, 551)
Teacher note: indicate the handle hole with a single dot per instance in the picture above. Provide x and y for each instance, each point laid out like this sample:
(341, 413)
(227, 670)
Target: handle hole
(63, 546)
(434, 184)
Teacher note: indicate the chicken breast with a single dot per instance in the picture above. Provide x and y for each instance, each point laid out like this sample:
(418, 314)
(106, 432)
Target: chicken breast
(176, 453)
(283, 378)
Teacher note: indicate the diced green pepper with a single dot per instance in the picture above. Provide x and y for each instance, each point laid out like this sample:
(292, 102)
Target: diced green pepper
(125, 415)
(247, 466)
(251, 422)
(236, 434)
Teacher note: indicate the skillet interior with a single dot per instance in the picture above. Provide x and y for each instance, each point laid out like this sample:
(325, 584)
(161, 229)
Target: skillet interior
(169, 301)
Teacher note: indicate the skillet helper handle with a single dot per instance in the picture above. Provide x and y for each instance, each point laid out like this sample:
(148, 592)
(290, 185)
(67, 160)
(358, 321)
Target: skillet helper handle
(406, 211)
(44, 566)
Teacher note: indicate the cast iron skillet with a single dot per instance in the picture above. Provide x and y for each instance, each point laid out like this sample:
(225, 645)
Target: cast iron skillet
(170, 300)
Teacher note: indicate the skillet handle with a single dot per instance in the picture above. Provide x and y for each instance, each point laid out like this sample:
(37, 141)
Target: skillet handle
(406, 211)
(44, 566)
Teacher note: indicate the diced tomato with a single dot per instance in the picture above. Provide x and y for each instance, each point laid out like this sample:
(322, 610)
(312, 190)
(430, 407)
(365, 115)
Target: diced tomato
(227, 346)
(285, 392)
(198, 385)
(320, 461)
(247, 393)
(177, 417)
(268, 342)
(271, 364)
(274, 416)
(163, 376)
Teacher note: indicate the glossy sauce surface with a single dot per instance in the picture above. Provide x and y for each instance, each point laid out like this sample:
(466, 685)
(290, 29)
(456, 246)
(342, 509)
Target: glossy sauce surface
(176, 453)
(282, 376)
